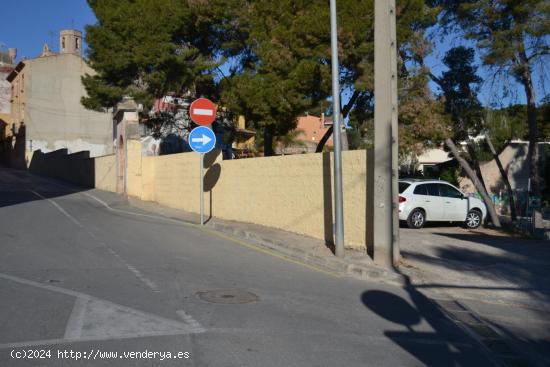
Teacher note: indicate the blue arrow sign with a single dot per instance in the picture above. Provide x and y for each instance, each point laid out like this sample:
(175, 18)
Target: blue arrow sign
(202, 139)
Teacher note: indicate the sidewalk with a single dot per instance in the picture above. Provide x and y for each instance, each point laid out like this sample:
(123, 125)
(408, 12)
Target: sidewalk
(494, 284)
(308, 250)
(498, 345)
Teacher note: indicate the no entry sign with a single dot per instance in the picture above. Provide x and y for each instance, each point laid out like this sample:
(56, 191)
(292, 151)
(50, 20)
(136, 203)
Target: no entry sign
(202, 111)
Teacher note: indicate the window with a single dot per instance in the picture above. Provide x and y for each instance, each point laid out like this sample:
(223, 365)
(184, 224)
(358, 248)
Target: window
(449, 191)
(403, 186)
(433, 190)
(76, 43)
(63, 43)
(421, 190)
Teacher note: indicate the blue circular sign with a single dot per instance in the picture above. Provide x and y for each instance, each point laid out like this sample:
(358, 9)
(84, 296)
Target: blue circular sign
(202, 139)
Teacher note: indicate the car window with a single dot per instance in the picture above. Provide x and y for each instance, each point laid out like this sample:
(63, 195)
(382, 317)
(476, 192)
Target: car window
(421, 190)
(449, 191)
(403, 186)
(433, 189)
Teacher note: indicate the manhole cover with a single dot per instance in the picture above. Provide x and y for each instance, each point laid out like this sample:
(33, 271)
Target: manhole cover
(228, 296)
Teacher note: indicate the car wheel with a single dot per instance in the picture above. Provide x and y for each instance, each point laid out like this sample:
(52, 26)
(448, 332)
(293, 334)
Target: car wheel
(473, 219)
(416, 219)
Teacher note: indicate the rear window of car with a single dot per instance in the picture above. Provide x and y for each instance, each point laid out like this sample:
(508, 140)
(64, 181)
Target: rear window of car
(403, 186)
(421, 190)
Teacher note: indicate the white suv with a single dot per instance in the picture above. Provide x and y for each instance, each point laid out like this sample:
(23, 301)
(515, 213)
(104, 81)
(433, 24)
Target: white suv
(432, 200)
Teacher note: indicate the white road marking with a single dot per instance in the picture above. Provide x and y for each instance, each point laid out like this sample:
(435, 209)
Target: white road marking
(133, 213)
(149, 283)
(97, 319)
(73, 330)
(203, 112)
(94, 236)
(59, 208)
(188, 319)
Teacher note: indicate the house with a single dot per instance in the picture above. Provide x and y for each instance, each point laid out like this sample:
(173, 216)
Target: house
(514, 159)
(307, 135)
(7, 60)
(243, 146)
(426, 163)
(45, 110)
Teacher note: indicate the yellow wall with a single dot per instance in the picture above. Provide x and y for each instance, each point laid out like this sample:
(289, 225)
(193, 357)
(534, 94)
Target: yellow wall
(287, 192)
(134, 183)
(105, 172)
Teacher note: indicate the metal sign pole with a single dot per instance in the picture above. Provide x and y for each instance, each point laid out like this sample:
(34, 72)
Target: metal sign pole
(202, 139)
(336, 133)
(202, 187)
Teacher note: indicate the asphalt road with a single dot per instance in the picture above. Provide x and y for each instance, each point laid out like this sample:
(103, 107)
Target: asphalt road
(83, 276)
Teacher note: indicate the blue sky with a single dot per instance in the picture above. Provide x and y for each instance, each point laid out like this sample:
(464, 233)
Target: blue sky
(27, 24)
(494, 91)
(44, 19)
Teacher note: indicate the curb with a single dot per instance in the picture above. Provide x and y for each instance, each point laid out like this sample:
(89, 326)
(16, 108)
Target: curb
(346, 267)
(366, 272)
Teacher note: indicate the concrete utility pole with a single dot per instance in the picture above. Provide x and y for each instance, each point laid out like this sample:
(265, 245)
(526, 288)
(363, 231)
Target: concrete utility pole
(337, 135)
(386, 220)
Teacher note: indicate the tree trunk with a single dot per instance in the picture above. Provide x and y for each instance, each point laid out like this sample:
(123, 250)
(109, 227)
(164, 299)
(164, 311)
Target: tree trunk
(533, 152)
(268, 141)
(504, 178)
(345, 113)
(471, 174)
(324, 140)
(475, 162)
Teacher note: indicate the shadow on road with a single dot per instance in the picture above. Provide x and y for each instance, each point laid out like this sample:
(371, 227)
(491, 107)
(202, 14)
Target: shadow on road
(524, 263)
(19, 186)
(445, 345)
(502, 277)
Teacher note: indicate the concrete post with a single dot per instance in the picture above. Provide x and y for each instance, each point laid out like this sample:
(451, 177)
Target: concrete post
(386, 223)
(126, 118)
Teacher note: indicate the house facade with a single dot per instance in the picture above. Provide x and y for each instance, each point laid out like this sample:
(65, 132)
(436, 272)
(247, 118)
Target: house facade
(307, 135)
(7, 60)
(45, 111)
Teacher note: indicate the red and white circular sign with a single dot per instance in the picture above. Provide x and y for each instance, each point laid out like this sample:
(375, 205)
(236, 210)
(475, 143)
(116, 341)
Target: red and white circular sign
(202, 111)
